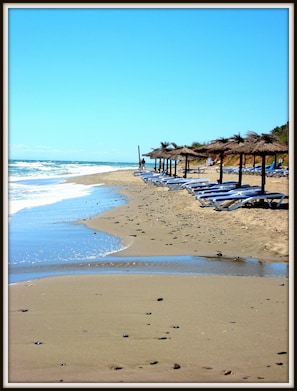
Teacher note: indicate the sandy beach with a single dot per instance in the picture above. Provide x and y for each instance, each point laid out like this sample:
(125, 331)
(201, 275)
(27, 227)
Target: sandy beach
(119, 329)
(116, 328)
(160, 222)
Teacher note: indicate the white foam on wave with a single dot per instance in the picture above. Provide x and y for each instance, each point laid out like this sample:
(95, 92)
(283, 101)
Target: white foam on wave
(61, 171)
(28, 187)
(33, 196)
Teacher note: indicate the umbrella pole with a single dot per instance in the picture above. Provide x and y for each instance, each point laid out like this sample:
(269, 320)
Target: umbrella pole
(263, 174)
(221, 167)
(240, 171)
(174, 168)
(186, 166)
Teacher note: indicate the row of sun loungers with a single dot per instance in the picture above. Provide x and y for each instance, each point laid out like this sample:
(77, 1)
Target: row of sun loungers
(226, 196)
(270, 170)
(198, 170)
(172, 183)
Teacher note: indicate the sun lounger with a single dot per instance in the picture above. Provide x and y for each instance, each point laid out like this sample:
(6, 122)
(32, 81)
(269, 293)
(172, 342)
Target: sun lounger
(225, 188)
(194, 188)
(219, 184)
(235, 201)
(167, 179)
(147, 174)
(144, 173)
(205, 197)
(252, 170)
(156, 178)
(178, 183)
(278, 172)
(161, 181)
(195, 170)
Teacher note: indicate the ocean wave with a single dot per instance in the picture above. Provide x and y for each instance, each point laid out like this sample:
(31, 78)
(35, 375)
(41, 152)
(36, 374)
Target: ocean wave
(38, 183)
(22, 196)
(22, 170)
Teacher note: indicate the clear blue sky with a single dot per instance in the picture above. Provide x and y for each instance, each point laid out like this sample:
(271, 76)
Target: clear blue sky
(93, 84)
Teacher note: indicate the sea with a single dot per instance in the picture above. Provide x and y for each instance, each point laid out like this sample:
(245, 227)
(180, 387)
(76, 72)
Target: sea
(43, 238)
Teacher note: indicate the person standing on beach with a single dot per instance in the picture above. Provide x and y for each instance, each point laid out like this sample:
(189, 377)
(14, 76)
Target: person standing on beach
(141, 164)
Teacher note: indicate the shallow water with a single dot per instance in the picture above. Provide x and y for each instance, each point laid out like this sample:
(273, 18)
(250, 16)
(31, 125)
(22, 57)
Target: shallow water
(47, 236)
(154, 265)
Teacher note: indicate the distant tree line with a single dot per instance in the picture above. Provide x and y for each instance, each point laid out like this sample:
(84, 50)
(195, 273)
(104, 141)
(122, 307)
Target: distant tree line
(280, 132)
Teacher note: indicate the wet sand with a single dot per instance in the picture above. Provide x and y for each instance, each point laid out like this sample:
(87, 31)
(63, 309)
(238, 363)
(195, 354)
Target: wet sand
(186, 329)
(149, 329)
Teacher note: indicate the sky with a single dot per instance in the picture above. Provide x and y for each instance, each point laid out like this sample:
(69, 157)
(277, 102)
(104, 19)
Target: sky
(94, 84)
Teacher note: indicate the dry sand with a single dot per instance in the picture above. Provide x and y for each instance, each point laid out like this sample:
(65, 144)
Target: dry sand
(101, 329)
(160, 222)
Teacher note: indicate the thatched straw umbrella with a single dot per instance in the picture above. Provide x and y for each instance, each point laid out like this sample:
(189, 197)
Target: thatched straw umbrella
(183, 153)
(262, 145)
(154, 154)
(267, 144)
(218, 146)
(160, 153)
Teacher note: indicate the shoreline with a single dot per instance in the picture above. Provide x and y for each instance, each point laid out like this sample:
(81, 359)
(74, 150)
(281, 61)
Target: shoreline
(157, 222)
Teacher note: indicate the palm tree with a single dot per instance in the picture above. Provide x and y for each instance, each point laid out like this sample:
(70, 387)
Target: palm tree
(164, 144)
